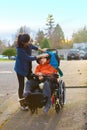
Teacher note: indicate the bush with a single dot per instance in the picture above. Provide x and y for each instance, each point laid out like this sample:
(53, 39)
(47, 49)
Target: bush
(9, 52)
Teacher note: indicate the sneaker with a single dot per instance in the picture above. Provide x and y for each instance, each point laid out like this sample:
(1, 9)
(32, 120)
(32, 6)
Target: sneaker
(24, 108)
(22, 101)
(46, 109)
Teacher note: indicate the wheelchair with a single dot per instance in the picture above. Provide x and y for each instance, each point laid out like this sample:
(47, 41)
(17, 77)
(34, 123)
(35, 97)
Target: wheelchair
(37, 100)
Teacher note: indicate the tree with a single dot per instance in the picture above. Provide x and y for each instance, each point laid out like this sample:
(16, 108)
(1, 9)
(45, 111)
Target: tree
(21, 30)
(54, 34)
(2, 47)
(9, 52)
(50, 25)
(57, 37)
(39, 38)
(24, 29)
(45, 43)
(80, 35)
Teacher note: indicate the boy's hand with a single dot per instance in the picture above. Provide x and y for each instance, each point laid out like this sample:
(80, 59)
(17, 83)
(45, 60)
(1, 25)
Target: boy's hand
(40, 76)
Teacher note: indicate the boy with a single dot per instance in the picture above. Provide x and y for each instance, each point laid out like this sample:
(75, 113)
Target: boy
(43, 68)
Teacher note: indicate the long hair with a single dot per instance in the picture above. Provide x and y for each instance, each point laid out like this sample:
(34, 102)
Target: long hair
(22, 39)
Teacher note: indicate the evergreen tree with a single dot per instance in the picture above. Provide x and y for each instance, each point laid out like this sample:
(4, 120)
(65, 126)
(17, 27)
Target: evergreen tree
(50, 25)
(45, 43)
(39, 38)
(57, 37)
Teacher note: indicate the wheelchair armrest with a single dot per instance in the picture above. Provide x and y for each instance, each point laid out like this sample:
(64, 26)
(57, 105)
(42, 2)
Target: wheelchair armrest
(56, 75)
(34, 76)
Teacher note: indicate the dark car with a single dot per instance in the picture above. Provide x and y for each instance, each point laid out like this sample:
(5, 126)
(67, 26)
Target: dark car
(82, 54)
(73, 55)
(13, 58)
(85, 56)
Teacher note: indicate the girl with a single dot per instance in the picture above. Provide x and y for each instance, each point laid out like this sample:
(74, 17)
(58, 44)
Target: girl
(23, 64)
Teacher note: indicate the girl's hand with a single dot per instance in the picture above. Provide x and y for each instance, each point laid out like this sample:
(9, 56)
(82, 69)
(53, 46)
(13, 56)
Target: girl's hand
(42, 55)
(43, 50)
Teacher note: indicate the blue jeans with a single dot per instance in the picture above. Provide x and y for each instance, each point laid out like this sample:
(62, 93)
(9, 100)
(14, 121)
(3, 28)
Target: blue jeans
(46, 89)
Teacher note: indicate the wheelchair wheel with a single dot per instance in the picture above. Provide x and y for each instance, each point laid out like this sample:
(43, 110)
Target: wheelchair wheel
(62, 93)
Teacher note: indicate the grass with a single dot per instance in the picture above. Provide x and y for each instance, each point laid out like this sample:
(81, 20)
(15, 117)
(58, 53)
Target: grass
(5, 60)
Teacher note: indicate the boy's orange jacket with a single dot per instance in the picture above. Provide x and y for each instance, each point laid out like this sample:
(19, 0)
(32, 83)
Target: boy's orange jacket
(45, 68)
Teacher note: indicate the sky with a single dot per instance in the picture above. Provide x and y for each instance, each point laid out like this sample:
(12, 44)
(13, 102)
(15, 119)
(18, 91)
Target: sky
(71, 15)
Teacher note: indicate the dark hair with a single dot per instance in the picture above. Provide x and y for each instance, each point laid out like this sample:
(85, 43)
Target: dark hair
(47, 57)
(22, 39)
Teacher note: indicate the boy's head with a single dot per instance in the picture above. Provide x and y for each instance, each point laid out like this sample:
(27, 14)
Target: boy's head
(43, 58)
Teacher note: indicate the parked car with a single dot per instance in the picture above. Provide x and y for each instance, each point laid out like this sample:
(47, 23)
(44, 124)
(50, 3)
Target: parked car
(61, 57)
(85, 56)
(82, 54)
(73, 55)
(3, 57)
(13, 58)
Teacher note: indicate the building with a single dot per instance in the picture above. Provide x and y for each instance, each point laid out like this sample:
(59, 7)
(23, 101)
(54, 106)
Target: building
(80, 45)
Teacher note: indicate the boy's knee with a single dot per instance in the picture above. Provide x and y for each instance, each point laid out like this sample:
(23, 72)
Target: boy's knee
(46, 83)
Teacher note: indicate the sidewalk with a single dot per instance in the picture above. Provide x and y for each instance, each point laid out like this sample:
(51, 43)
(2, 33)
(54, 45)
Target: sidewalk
(8, 105)
(72, 116)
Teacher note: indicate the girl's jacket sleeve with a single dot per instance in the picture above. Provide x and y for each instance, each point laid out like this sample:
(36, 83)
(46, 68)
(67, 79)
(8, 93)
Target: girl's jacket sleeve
(24, 56)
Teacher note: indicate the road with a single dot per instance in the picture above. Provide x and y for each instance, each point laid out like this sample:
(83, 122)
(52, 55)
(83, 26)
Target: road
(72, 117)
(8, 80)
